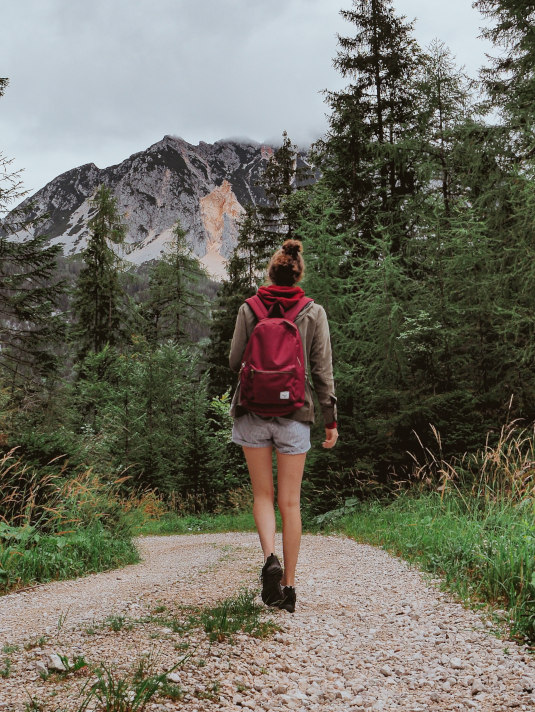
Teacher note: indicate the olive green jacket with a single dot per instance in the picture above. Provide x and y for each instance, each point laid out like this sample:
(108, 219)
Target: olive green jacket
(314, 330)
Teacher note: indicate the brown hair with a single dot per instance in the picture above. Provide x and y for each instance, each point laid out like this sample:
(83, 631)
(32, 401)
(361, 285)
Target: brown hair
(287, 265)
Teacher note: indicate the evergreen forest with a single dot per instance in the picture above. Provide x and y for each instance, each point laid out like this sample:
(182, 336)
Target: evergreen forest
(418, 227)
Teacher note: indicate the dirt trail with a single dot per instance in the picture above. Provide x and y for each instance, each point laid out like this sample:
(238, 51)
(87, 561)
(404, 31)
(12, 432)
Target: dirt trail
(369, 633)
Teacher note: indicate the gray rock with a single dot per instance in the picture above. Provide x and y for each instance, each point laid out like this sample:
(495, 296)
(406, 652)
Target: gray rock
(40, 667)
(457, 663)
(344, 695)
(54, 663)
(477, 687)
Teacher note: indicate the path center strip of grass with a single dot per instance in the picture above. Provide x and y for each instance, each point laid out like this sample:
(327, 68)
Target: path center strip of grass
(171, 637)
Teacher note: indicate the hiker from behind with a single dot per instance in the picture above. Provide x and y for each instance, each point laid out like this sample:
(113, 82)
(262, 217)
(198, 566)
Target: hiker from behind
(280, 336)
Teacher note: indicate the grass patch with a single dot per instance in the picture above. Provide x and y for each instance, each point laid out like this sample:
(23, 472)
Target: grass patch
(239, 613)
(28, 557)
(117, 623)
(173, 523)
(236, 614)
(5, 671)
(123, 694)
(133, 691)
(483, 549)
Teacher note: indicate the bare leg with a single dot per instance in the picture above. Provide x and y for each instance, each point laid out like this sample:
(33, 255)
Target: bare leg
(260, 467)
(289, 476)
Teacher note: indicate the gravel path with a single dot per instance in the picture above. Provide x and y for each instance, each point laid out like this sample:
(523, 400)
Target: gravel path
(369, 633)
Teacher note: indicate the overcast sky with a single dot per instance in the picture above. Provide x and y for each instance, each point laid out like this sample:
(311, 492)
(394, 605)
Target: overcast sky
(98, 80)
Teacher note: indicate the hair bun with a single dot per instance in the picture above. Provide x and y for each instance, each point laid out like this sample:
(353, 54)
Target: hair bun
(292, 248)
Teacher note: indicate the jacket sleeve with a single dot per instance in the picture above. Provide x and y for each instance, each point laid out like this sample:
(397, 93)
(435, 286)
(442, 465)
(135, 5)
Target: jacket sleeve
(239, 340)
(321, 368)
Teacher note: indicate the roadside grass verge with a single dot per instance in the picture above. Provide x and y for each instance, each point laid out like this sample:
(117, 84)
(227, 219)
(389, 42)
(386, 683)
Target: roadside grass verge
(56, 523)
(483, 549)
(28, 557)
(173, 523)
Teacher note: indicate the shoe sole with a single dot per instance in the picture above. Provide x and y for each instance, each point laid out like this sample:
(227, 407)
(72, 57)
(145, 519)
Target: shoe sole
(271, 594)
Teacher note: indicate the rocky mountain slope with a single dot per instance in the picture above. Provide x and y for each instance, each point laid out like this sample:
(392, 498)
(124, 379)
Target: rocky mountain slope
(205, 187)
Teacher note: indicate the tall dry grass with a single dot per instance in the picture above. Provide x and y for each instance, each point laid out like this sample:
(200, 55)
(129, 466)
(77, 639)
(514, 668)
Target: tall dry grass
(57, 525)
(504, 469)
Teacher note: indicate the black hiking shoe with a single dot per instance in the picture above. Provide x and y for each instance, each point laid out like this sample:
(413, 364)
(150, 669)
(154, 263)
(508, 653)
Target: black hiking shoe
(288, 599)
(271, 577)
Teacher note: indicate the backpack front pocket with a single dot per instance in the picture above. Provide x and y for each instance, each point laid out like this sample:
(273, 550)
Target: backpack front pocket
(271, 387)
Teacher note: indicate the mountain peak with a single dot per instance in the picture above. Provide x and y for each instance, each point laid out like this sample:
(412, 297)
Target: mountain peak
(206, 187)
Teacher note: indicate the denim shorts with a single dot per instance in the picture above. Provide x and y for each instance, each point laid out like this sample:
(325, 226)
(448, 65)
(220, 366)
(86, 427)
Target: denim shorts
(289, 437)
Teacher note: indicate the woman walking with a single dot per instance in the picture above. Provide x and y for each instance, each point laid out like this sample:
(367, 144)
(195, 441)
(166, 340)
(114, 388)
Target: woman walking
(256, 427)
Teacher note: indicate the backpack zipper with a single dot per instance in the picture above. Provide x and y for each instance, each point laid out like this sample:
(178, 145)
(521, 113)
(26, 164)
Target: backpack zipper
(258, 370)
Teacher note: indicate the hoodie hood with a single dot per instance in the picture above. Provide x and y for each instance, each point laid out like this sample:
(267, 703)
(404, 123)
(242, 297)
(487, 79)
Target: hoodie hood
(287, 297)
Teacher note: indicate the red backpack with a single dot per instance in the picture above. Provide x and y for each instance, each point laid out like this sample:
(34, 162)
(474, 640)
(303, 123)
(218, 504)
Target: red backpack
(272, 376)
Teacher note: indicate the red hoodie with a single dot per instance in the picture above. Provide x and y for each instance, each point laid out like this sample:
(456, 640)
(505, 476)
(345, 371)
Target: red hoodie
(286, 296)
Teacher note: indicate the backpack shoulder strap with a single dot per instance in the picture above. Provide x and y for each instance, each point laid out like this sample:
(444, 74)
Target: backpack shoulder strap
(258, 307)
(292, 313)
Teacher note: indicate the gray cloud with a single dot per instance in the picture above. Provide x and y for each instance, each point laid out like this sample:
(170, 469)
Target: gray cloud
(97, 81)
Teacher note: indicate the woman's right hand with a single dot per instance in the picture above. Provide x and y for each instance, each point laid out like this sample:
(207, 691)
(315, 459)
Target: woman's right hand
(331, 436)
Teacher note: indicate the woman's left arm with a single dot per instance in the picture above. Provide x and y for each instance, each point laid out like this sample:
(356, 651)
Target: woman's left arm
(239, 340)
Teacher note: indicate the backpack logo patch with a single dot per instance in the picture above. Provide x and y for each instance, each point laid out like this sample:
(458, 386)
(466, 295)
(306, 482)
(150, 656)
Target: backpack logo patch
(284, 395)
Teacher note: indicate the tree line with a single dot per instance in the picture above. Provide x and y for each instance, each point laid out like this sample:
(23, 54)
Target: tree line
(417, 224)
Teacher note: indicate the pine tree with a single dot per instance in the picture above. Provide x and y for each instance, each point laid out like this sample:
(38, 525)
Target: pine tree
(175, 303)
(321, 232)
(280, 179)
(444, 110)
(366, 156)
(368, 161)
(510, 83)
(326, 259)
(266, 225)
(29, 288)
(98, 296)
(403, 228)
(444, 107)
(147, 411)
(29, 322)
(241, 283)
